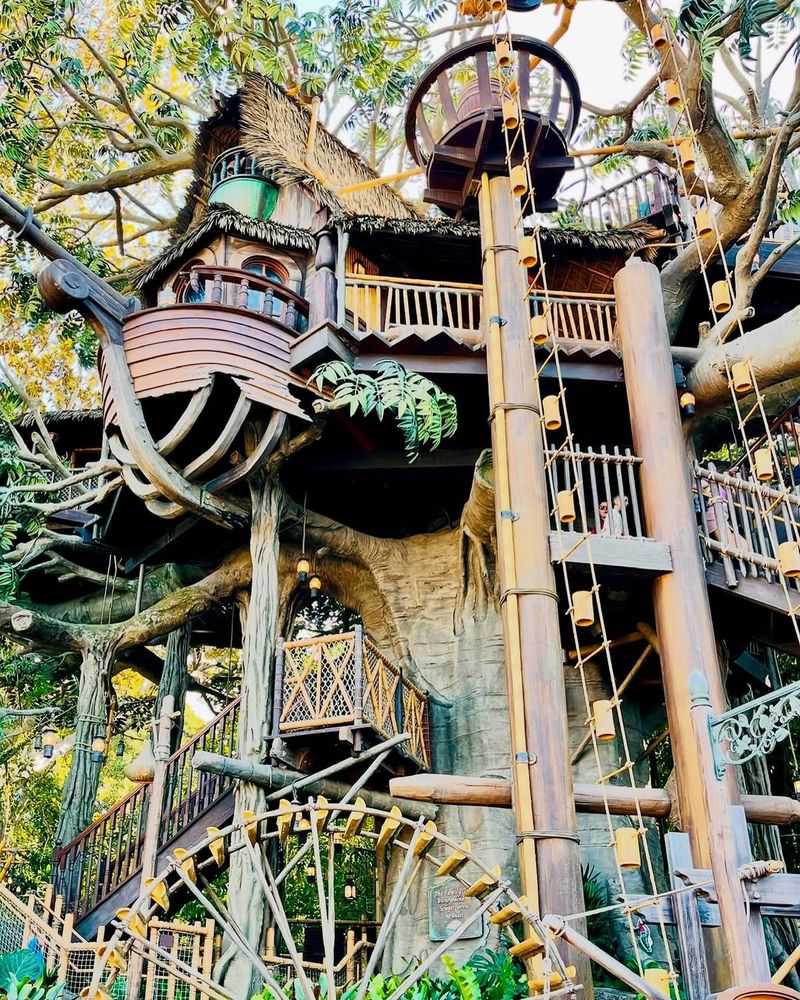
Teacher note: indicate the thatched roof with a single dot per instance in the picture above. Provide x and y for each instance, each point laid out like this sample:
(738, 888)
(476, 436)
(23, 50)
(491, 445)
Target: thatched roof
(59, 419)
(216, 221)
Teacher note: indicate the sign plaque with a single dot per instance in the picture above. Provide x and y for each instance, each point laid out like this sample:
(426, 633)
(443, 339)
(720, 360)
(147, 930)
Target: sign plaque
(448, 907)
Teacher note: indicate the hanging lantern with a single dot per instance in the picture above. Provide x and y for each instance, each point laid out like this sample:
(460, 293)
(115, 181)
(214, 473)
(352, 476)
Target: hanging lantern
(528, 253)
(796, 786)
(763, 464)
(703, 222)
(519, 180)
(315, 583)
(582, 608)
(98, 750)
(721, 296)
(303, 569)
(349, 890)
(510, 116)
(658, 36)
(789, 559)
(741, 377)
(503, 52)
(659, 979)
(566, 506)
(37, 741)
(551, 413)
(603, 717)
(540, 329)
(687, 402)
(626, 847)
(120, 751)
(686, 154)
(143, 765)
(310, 872)
(673, 94)
(49, 740)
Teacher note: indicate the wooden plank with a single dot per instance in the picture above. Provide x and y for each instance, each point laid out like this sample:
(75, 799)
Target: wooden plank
(642, 554)
(689, 922)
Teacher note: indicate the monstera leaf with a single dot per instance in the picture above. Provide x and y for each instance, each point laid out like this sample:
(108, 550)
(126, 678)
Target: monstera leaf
(19, 965)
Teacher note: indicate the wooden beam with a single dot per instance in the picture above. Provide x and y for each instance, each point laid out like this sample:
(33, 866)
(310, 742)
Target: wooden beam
(642, 554)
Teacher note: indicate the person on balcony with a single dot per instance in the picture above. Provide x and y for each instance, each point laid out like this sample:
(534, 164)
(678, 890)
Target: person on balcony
(614, 522)
(195, 290)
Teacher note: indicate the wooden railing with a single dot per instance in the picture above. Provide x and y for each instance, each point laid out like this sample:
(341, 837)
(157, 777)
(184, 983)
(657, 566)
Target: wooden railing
(785, 446)
(337, 681)
(395, 305)
(742, 522)
(230, 286)
(637, 197)
(109, 852)
(576, 316)
(236, 162)
(604, 488)
(349, 969)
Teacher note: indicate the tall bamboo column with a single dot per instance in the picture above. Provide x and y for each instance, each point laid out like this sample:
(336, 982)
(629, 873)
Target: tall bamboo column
(544, 806)
(680, 600)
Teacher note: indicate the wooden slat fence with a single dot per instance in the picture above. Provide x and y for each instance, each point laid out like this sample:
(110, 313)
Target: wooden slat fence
(576, 317)
(632, 199)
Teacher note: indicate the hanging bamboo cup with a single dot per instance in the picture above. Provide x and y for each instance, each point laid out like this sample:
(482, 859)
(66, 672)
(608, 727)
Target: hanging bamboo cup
(673, 94)
(510, 117)
(789, 559)
(603, 715)
(519, 181)
(686, 154)
(503, 52)
(528, 253)
(566, 506)
(626, 847)
(658, 36)
(583, 608)
(763, 463)
(703, 222)
(540, 329)
(721, 296)
(551, 413)
(741, 377)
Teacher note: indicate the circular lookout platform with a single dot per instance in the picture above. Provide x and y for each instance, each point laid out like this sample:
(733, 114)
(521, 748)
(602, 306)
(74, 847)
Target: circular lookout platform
(454, 122)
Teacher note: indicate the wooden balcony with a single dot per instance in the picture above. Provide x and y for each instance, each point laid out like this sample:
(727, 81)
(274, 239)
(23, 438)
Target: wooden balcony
(579, 322)
(342, 683)
(646, 195)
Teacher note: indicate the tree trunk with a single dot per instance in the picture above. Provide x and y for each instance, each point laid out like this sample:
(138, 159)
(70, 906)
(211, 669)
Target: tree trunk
(245, 901)
(174, 680)
(80, 789)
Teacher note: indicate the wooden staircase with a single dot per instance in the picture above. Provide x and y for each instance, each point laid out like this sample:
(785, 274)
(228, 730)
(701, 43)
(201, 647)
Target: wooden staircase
(98, 872)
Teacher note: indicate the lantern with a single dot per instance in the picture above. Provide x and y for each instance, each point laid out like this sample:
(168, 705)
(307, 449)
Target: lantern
(686, 154)
(519, 180)
(658, 36)
(703, 222)
(303, 569)
(49, 739)
(120, 747)
(37, 741)
(789, 559)
(673, 94)
(566, 506)
(626, 847)
(721, 296)
(98, 750)
(763, 464)
(658, 978)
(503, 52)
(528, 253)
(510, 117)
(551, 413)
(582, 608)
(603, 717)
(310, 872)
(741, 377)
(540, 330)
(687, 402)
(315, 583)
(349, 890)
(796, 785)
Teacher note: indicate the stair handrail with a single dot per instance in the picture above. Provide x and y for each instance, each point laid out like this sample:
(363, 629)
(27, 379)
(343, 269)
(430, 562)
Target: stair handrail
(144, 787)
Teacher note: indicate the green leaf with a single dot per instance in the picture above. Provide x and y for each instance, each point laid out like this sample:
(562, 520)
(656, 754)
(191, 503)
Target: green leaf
(18, 966)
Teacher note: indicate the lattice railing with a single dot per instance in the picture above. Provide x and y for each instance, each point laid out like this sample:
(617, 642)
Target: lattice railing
(574, 316)
(637, 197)
(343, 680)
(109, 852)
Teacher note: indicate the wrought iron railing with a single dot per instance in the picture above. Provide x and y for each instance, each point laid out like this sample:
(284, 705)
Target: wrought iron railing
(109, 852)
(572, 316)
(235, 162)
(632, 199)
(605, 490)
(335, 681)
(394, 305)
(230, 286)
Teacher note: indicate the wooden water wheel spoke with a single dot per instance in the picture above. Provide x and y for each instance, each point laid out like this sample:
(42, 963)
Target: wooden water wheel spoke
(327, 911)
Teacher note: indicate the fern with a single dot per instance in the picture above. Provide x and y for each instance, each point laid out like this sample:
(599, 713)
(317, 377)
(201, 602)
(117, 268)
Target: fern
(754, 15)
(464, 978)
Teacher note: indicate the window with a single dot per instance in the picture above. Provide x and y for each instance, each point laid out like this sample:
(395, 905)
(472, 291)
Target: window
(272, 271)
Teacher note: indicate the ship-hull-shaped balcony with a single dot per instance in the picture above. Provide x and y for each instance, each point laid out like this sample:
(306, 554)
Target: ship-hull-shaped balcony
(199, 370)
(343, 686)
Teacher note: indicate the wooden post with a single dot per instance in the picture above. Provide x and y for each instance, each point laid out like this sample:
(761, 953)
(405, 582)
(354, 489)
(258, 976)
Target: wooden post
(321, 293)
(161, 751)
(350, 948)
(680, 598)
(66, 939)
(550, 865)
(277, 703)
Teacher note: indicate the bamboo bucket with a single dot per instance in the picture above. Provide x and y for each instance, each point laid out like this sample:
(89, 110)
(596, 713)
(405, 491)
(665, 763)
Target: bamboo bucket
(551, 413)
(673, 94)
(658, 36)
(703, 222)
(603, 715)
(566, 506)
(721, 296)
(519, 180)
(540, 329)
(741, 377)
(510, 117)
(686, 154)
(789, 559)
(582, 608)
(763, 464)
(626, 847)
(503, 52)
(528, 253)
(659, 979)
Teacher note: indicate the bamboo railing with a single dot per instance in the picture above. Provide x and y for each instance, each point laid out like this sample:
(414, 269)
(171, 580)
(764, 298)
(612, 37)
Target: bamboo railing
(109, 852)
(575, 316)
(634, 198)
(605, 489)
(336, 681)
(388, 305)
(349, 969)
